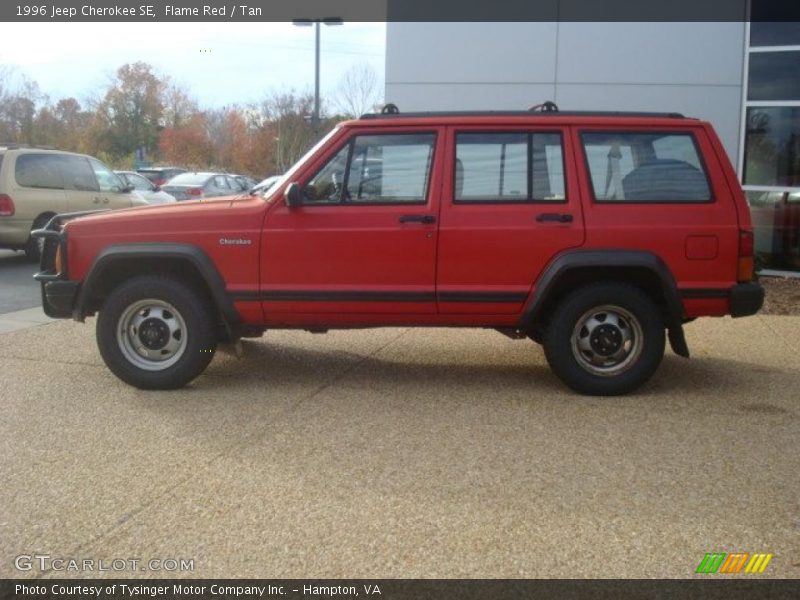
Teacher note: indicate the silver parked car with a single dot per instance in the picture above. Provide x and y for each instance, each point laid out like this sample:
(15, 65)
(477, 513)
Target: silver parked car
(197, 186)
(152, 193)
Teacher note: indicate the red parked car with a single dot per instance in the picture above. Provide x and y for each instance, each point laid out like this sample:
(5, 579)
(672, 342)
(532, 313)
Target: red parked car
(597, 235)
(160, 175)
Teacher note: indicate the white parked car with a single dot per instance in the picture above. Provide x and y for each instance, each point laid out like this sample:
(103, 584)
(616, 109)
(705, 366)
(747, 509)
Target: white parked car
(146, 188)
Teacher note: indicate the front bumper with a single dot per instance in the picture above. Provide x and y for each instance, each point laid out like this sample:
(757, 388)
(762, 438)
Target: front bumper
(58, 298)
(746, 299)
(59, 294)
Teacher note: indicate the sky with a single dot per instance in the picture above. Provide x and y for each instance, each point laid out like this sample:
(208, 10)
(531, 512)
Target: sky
(221, 63)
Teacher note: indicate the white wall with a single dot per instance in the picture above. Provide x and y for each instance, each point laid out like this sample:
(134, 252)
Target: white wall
(693, 68)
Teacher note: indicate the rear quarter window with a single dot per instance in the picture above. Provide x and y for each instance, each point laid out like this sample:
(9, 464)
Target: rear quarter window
(658, 167)
(39, 171)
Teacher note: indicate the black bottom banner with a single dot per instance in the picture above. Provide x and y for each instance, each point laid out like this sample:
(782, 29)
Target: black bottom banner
(398, 589)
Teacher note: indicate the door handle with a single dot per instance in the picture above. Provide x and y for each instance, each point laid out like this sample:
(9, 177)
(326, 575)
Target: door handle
(96, 200)
(554, 218)
(426, 219)
(105, 200)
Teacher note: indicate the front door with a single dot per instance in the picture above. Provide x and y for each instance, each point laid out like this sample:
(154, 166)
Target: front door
(510, 204)
(364, 239)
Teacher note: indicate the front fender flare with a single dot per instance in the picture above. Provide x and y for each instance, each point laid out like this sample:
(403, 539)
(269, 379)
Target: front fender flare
(194, 255)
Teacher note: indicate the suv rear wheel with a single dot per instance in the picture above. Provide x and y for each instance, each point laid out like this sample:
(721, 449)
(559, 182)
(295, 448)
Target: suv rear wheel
(605, 339)
(156, 333)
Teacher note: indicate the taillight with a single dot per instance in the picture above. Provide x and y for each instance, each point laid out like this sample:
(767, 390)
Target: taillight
(195, 191)
(744, 271)
(6, 206)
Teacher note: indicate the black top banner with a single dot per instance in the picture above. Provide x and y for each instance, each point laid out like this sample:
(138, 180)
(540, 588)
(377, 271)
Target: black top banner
(399, 589)
(400, 10)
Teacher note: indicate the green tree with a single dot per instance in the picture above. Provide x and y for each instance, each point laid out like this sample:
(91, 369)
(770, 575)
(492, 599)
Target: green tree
(128, 117)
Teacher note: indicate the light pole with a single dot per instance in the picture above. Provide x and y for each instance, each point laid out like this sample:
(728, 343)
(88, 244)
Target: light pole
(316, 22)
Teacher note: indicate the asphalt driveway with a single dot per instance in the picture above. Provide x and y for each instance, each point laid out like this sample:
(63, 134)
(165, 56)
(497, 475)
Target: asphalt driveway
(18, 289)
(403, 453)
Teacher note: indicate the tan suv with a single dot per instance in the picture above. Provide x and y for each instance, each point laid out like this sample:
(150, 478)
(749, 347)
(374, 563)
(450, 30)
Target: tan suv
(38, 183)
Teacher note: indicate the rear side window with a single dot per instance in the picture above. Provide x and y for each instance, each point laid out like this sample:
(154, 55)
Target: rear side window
(645, 167)
(509, 167)
(39, 171)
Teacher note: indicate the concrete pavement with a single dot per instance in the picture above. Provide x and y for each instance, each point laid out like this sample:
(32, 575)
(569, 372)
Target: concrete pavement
(403, 453)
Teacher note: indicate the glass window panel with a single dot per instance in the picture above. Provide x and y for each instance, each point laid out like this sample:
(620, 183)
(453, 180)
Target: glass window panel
(39, 171)
(491, 166)
(772, 146)
(775, 33)
(645, 167)
(326, 186)
(390, 168)
(774, 76)
(548, 167)
(108, 180)
(776, 225)
(78, 174)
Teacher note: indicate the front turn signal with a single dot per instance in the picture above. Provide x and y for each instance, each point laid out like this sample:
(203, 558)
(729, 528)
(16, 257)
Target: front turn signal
(57, 264)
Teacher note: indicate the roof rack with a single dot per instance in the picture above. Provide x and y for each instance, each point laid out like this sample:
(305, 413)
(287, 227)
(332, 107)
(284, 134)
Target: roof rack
(544, 109)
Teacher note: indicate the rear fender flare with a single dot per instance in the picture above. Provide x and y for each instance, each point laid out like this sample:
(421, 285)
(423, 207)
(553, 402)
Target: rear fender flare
(618, 259)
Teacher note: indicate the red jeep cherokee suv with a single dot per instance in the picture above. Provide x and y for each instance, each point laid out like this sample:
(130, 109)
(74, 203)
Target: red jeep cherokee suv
(593, 234)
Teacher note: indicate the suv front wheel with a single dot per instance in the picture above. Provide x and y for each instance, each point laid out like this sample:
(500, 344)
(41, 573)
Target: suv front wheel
(156, 333)
(605, 339)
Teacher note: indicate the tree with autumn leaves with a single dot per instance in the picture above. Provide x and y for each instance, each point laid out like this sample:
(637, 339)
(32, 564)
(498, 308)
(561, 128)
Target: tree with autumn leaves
(141, 112)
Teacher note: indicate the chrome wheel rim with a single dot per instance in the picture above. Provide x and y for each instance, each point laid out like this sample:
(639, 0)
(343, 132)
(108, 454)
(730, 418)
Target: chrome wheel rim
(607, 340)
(152, 335)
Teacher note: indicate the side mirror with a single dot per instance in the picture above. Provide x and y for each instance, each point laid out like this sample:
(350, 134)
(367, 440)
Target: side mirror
(293, 195)
(127, 188)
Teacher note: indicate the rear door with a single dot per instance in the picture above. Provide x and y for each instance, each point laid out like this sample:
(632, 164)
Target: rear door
(660, 188)
(510, 204)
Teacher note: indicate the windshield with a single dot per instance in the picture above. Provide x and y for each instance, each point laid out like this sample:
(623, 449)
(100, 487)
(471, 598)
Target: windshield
(294, 168)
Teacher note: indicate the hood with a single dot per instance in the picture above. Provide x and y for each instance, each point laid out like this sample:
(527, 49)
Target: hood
(152, 218)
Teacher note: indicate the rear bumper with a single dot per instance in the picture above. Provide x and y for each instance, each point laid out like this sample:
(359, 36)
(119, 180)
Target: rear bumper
(746, 299)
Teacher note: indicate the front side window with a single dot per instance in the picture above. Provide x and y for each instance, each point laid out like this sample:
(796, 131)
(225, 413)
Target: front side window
(106, 178)
(139, 183)
(375, 169)
(78, 174)
(645, 167)
(509, 167)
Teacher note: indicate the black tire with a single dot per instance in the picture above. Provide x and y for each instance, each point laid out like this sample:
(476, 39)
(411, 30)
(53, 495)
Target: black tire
(635, 317)
(33, 248)
(195, 320)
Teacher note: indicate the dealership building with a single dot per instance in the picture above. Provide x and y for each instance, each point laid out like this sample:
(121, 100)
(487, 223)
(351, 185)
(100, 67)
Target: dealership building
(742, 77)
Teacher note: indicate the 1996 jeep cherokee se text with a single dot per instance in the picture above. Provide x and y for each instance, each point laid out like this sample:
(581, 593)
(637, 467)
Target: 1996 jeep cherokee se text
(597, 235)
